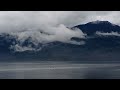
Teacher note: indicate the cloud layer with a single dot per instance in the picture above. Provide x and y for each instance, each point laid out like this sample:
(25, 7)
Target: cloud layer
(17, 20)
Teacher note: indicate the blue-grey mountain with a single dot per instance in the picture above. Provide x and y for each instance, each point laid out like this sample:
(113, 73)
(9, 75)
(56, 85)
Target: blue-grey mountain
(97, 48)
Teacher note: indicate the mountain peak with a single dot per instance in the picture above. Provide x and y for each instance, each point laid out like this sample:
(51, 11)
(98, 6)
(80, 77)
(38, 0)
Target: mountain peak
(100, 22)
(91, 28)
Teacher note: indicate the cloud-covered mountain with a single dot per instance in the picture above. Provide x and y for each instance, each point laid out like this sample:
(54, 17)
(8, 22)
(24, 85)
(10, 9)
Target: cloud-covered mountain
(96, 41)
(101, 26)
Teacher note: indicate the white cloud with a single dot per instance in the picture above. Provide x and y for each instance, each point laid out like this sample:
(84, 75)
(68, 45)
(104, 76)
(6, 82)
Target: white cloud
(19, 48)
(50, 34)
(108, 34)
(59, 33)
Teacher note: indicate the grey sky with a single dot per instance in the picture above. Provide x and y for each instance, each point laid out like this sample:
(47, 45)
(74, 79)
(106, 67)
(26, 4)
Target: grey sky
(35, 19)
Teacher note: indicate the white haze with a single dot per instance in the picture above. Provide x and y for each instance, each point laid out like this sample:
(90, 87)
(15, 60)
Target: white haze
(108, 34)
(54, 23)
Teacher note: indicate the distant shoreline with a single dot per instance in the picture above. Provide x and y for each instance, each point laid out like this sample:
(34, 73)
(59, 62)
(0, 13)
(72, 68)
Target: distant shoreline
(61, 62)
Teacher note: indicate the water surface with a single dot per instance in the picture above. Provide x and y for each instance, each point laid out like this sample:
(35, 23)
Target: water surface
(58, 70)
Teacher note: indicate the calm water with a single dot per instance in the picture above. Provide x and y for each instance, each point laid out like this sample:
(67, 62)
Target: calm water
(58, 70)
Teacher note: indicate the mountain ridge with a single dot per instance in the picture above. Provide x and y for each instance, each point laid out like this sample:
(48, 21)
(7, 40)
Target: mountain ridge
(97, 48)
(90, 28)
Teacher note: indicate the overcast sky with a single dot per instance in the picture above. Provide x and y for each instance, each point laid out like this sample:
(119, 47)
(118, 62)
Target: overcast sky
(68, 18)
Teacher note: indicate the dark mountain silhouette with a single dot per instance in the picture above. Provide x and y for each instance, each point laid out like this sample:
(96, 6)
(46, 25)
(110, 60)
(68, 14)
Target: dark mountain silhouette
(103, 26)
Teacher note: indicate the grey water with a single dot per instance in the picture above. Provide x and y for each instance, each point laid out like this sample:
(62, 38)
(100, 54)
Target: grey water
(58, 70)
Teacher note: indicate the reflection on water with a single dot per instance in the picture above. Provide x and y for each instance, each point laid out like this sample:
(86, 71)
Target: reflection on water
(58, 70)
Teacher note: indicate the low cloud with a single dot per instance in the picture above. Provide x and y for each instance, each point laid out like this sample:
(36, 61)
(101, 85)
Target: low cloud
(108, 34)
(60, 34)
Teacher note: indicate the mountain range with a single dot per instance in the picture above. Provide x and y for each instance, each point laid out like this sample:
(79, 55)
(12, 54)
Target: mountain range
(102, 43)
